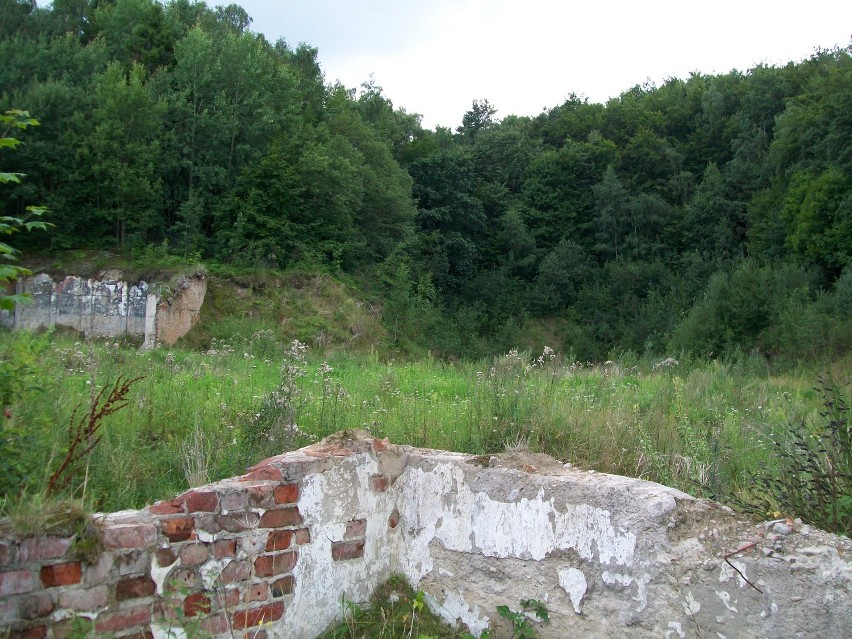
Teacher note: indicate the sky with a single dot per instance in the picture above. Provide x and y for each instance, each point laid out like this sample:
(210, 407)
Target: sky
(434, 57)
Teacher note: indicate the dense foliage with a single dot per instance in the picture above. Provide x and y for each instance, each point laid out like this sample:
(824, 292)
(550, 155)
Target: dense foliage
(712, 213)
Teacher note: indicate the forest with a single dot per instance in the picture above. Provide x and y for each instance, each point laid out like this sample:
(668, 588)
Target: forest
(711, 214)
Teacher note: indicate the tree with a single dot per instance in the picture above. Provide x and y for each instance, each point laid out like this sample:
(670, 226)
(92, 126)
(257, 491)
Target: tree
(126, 153)
(11, 120)
(479, 118)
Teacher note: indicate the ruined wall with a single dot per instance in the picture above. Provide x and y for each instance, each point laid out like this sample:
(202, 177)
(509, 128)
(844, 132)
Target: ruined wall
(110, 307)
(270, 554)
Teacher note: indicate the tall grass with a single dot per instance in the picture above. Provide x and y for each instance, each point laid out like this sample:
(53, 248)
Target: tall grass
(705, 428)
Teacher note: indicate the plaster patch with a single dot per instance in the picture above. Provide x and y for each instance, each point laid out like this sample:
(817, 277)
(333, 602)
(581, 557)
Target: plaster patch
(675, 627)
(211, 570)
(158, 574)
(573, 582)
(691, 607)
(474, 522)
(455, 609)
(163, 631)
(726, 599)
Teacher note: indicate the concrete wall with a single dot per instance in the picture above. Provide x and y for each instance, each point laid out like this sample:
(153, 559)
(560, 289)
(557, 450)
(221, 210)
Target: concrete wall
(271, 553)
(110, 307)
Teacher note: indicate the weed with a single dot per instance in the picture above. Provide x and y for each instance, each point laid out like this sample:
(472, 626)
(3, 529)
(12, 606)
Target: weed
(814, 480)
(396, 611)
(35, 515)
(83, 433)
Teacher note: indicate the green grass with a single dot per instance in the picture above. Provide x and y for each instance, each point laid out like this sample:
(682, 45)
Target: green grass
(208, 414)
(395, 612)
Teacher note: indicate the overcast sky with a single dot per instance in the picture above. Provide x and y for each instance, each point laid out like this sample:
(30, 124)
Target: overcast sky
(434, 57)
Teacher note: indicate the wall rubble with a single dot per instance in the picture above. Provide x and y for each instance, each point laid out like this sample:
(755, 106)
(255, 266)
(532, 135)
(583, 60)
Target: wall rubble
(271, 553)
(110, 307)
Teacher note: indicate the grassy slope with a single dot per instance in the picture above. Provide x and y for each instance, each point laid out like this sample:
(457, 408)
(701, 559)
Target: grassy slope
(222, 400)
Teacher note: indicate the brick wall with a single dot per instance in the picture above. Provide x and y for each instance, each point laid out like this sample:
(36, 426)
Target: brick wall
(273, 553)
(221, 558)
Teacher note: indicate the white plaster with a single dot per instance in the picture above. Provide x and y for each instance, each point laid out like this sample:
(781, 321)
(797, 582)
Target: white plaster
(726, 573)
(573, 582)
(441, 506)
(159, 574)
(691, 607)
(614, 578)
(211, 570)
(455, 608)
(675, 627)
(625, 581)
(726, 599)
(167, 631)
(206, 537)
(328, 501)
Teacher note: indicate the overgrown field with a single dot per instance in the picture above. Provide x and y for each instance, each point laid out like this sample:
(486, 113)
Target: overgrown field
(738, 431)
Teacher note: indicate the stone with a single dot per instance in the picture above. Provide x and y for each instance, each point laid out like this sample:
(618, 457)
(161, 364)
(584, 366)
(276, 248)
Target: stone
(130, 536)
(134, 588)
(88, 600)
(16, 582)
(41, 548)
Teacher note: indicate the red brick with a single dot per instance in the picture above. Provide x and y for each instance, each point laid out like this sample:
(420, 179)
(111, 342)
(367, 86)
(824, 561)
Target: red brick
(216, 625)
(235, 571)
(61, 574)
(224, 548)
(256, 616)
(124, 619)
(199, 501)
(237, 522)
(39, 632)
(165, 557)
(264, 472)
(130, 536)
(393, 520)
(286, 494)
(85, 600)
(230, 601)
(279, 540)
(197, 604)
(40, 548)
(180, 578)
(171, 507)
(271, 565)
(257, 592)
(281, 518)
(36, 606)
(303, 536)
(193, 554)
(5, 554)
(343, 550)
(379, 483)
(178, 529)
(381, 445)
(15, 583)
(283, 586)
(134, 588)
(355, 528)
